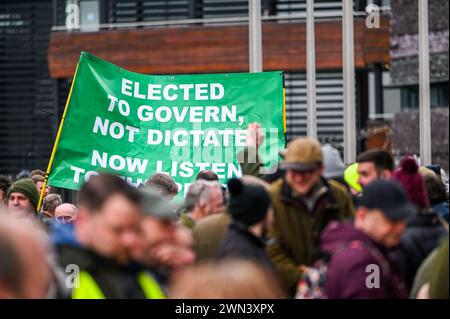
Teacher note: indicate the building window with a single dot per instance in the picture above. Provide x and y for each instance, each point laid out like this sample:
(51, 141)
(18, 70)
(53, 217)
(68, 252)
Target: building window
(89, 15)
(409, 97)
(438, 96)
(83, 15)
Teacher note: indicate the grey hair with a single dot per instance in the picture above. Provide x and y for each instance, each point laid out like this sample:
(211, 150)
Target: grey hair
(199, 191)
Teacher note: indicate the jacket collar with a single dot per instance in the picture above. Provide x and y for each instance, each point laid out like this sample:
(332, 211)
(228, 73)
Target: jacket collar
(325, 200)
(243, 231)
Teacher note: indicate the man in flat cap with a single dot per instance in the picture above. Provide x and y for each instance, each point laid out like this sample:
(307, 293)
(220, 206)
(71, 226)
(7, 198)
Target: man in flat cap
(304, 204)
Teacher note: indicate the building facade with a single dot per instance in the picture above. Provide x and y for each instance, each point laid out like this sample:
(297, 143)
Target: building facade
(40, 43)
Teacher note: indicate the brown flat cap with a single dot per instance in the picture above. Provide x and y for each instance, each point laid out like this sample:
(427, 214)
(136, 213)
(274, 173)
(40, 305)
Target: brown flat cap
(302, 154)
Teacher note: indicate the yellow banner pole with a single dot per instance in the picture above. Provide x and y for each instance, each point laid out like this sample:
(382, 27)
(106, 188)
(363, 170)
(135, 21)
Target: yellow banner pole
(58, 135)
(284, 110)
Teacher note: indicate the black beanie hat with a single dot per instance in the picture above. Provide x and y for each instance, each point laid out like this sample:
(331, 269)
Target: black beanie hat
(248, 204)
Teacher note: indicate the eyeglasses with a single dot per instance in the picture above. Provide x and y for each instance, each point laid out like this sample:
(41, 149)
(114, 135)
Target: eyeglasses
(64, 219)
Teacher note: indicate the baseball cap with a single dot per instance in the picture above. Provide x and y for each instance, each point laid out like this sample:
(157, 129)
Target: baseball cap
(389, 197)
(154, 205)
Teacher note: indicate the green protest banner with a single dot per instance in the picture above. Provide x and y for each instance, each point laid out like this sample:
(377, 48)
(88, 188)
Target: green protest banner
(134, 125)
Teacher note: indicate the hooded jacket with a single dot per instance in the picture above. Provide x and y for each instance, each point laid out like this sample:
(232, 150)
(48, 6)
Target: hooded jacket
(356, 260)
(332, 162)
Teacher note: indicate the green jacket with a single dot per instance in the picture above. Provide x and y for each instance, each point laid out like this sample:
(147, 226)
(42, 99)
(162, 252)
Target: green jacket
(422, 274)
(295, 230)
(433, 270)
(250, 161)
(439, 273)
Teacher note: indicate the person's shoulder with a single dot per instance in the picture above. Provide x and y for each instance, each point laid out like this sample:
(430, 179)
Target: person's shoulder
(275, 188)
(214, 219)
(67, 254)
(231, 244)
(337, 187)
(425, 234)
(353, 257)
(212, 223)
(339, 192)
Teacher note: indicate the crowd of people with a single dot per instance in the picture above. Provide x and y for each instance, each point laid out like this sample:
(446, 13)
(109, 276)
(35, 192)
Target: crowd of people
(316, 228)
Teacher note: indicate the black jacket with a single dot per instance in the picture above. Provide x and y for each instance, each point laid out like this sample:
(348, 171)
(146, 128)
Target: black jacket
(421, 236)
(240, 243)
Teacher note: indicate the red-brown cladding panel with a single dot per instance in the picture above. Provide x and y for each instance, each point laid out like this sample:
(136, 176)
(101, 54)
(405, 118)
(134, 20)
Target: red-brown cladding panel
(211, 49)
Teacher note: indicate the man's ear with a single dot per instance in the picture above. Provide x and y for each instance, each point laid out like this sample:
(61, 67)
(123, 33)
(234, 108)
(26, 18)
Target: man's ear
(361, 213)
(201, 206)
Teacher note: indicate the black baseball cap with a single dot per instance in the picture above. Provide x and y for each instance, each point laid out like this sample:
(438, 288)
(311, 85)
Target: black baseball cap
(389, 197)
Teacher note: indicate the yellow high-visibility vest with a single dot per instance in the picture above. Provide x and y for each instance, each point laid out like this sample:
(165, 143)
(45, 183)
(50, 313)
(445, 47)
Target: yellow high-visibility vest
(87, 288)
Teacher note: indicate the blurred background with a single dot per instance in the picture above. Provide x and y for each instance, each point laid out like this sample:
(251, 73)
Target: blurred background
(40, 43)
